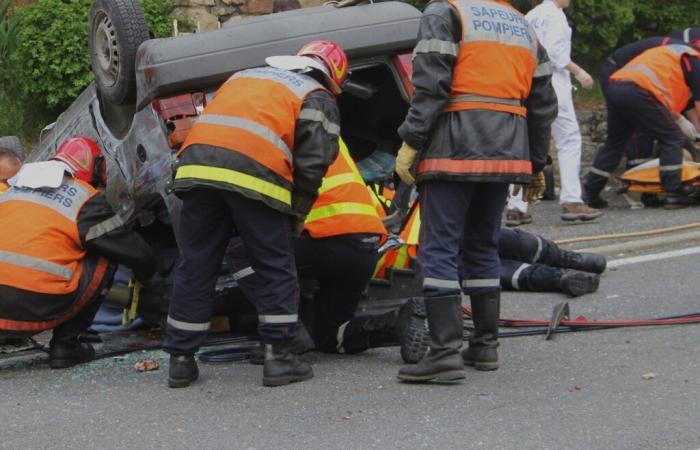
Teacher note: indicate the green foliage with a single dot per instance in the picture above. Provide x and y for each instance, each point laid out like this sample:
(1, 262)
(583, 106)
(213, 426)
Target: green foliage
(51, 60)
(44, 59)
(157, 14)
(598, 25)
(8, 35)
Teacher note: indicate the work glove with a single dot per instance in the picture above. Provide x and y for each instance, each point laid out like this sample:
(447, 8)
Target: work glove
(687, 127)
(584, 78)
(404, 163)
(535, 189)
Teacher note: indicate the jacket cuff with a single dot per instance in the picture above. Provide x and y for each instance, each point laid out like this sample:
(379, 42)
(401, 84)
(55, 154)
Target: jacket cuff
(409, 138)
(302, 204)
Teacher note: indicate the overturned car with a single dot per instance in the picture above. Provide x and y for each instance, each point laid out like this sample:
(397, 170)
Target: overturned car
(148, 92)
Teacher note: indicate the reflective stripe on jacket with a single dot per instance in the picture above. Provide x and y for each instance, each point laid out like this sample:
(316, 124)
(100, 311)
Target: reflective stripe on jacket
(249, 130)
(344, 205)
(659, 71)
(497, 58)
(40, 247)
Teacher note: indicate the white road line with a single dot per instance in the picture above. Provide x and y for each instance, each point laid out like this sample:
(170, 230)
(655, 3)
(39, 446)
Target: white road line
(653, 257)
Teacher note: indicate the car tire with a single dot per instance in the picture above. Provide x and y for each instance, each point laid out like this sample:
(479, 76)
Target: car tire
(117, 28)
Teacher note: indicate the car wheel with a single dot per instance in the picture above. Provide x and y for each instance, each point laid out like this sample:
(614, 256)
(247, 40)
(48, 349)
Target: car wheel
(117, 28)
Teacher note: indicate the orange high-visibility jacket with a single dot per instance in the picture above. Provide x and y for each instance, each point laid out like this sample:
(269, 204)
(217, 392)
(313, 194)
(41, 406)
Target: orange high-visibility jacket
(344, 205)
(254, 115)
(494, 36)
(659, 71)
(40, 248)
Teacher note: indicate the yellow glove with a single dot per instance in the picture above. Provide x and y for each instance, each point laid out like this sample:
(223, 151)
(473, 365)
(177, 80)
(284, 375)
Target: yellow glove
(404, 163)
(535, 189)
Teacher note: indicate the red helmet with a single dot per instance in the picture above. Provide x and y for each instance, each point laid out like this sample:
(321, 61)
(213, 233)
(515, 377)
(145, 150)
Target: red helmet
(334, 59)
(84, 158)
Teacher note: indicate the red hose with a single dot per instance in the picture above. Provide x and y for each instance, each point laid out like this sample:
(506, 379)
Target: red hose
(582, 322)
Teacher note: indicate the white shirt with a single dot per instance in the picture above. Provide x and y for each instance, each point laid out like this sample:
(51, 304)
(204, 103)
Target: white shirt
(553, 31)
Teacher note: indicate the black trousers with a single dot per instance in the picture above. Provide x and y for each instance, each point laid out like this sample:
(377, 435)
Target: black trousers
(342, 266)
(632, 108)
(209, 219)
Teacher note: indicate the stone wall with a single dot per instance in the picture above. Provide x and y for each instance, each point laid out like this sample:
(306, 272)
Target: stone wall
(211, 14)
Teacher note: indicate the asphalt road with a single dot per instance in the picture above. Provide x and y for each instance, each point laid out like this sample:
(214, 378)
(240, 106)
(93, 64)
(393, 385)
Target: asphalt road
(578, 391)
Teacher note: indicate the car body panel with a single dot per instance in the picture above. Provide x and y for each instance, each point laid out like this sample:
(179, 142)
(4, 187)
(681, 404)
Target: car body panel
(174, 65)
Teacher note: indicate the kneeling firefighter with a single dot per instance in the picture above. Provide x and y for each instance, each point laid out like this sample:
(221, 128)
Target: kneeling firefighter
(339, 249)
(479, 119)
(59, 249)
(253, 164)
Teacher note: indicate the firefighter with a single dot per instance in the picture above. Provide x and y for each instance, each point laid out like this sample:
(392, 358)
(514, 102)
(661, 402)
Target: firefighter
(649, 95)
(253, 163)
(479, 119)
(554, 32)
(59, 249)
(11, 159)
(339, 250)
(640, 148)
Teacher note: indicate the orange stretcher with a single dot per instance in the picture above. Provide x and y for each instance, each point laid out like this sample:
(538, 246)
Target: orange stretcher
(645, 177)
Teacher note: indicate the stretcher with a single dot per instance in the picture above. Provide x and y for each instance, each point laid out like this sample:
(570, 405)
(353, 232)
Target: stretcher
(645, 178)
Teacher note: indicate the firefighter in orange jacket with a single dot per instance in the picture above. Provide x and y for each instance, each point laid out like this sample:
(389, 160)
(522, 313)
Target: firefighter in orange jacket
(58, 252)
(253, 163)
(649, 95)
(339, 250)
(479, 119)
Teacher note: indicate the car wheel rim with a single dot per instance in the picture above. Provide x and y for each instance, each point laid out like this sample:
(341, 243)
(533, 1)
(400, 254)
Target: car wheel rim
(105, 49)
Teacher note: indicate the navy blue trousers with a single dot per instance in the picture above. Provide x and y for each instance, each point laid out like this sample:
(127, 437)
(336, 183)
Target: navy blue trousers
(639, 148)
(209, 219)
(461, 226)
(632, 108)
(527, 260)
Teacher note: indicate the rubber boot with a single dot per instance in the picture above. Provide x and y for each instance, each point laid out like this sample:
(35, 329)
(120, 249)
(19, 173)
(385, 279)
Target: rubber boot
(586, 262)
(68, 353)
(443, 361)
(404, 326)
(183, 371)
(482, 352)
(282, 366)
(574, 283)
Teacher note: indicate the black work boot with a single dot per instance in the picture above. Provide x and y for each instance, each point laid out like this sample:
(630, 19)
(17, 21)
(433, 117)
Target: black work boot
(593, 200)
(301, 343)
(679, 199)
(587, 262)
(404, 326)
(576, 283)
(443, 361)
(68, 353)
(482, 352)
(183, 371)
(282, 366)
